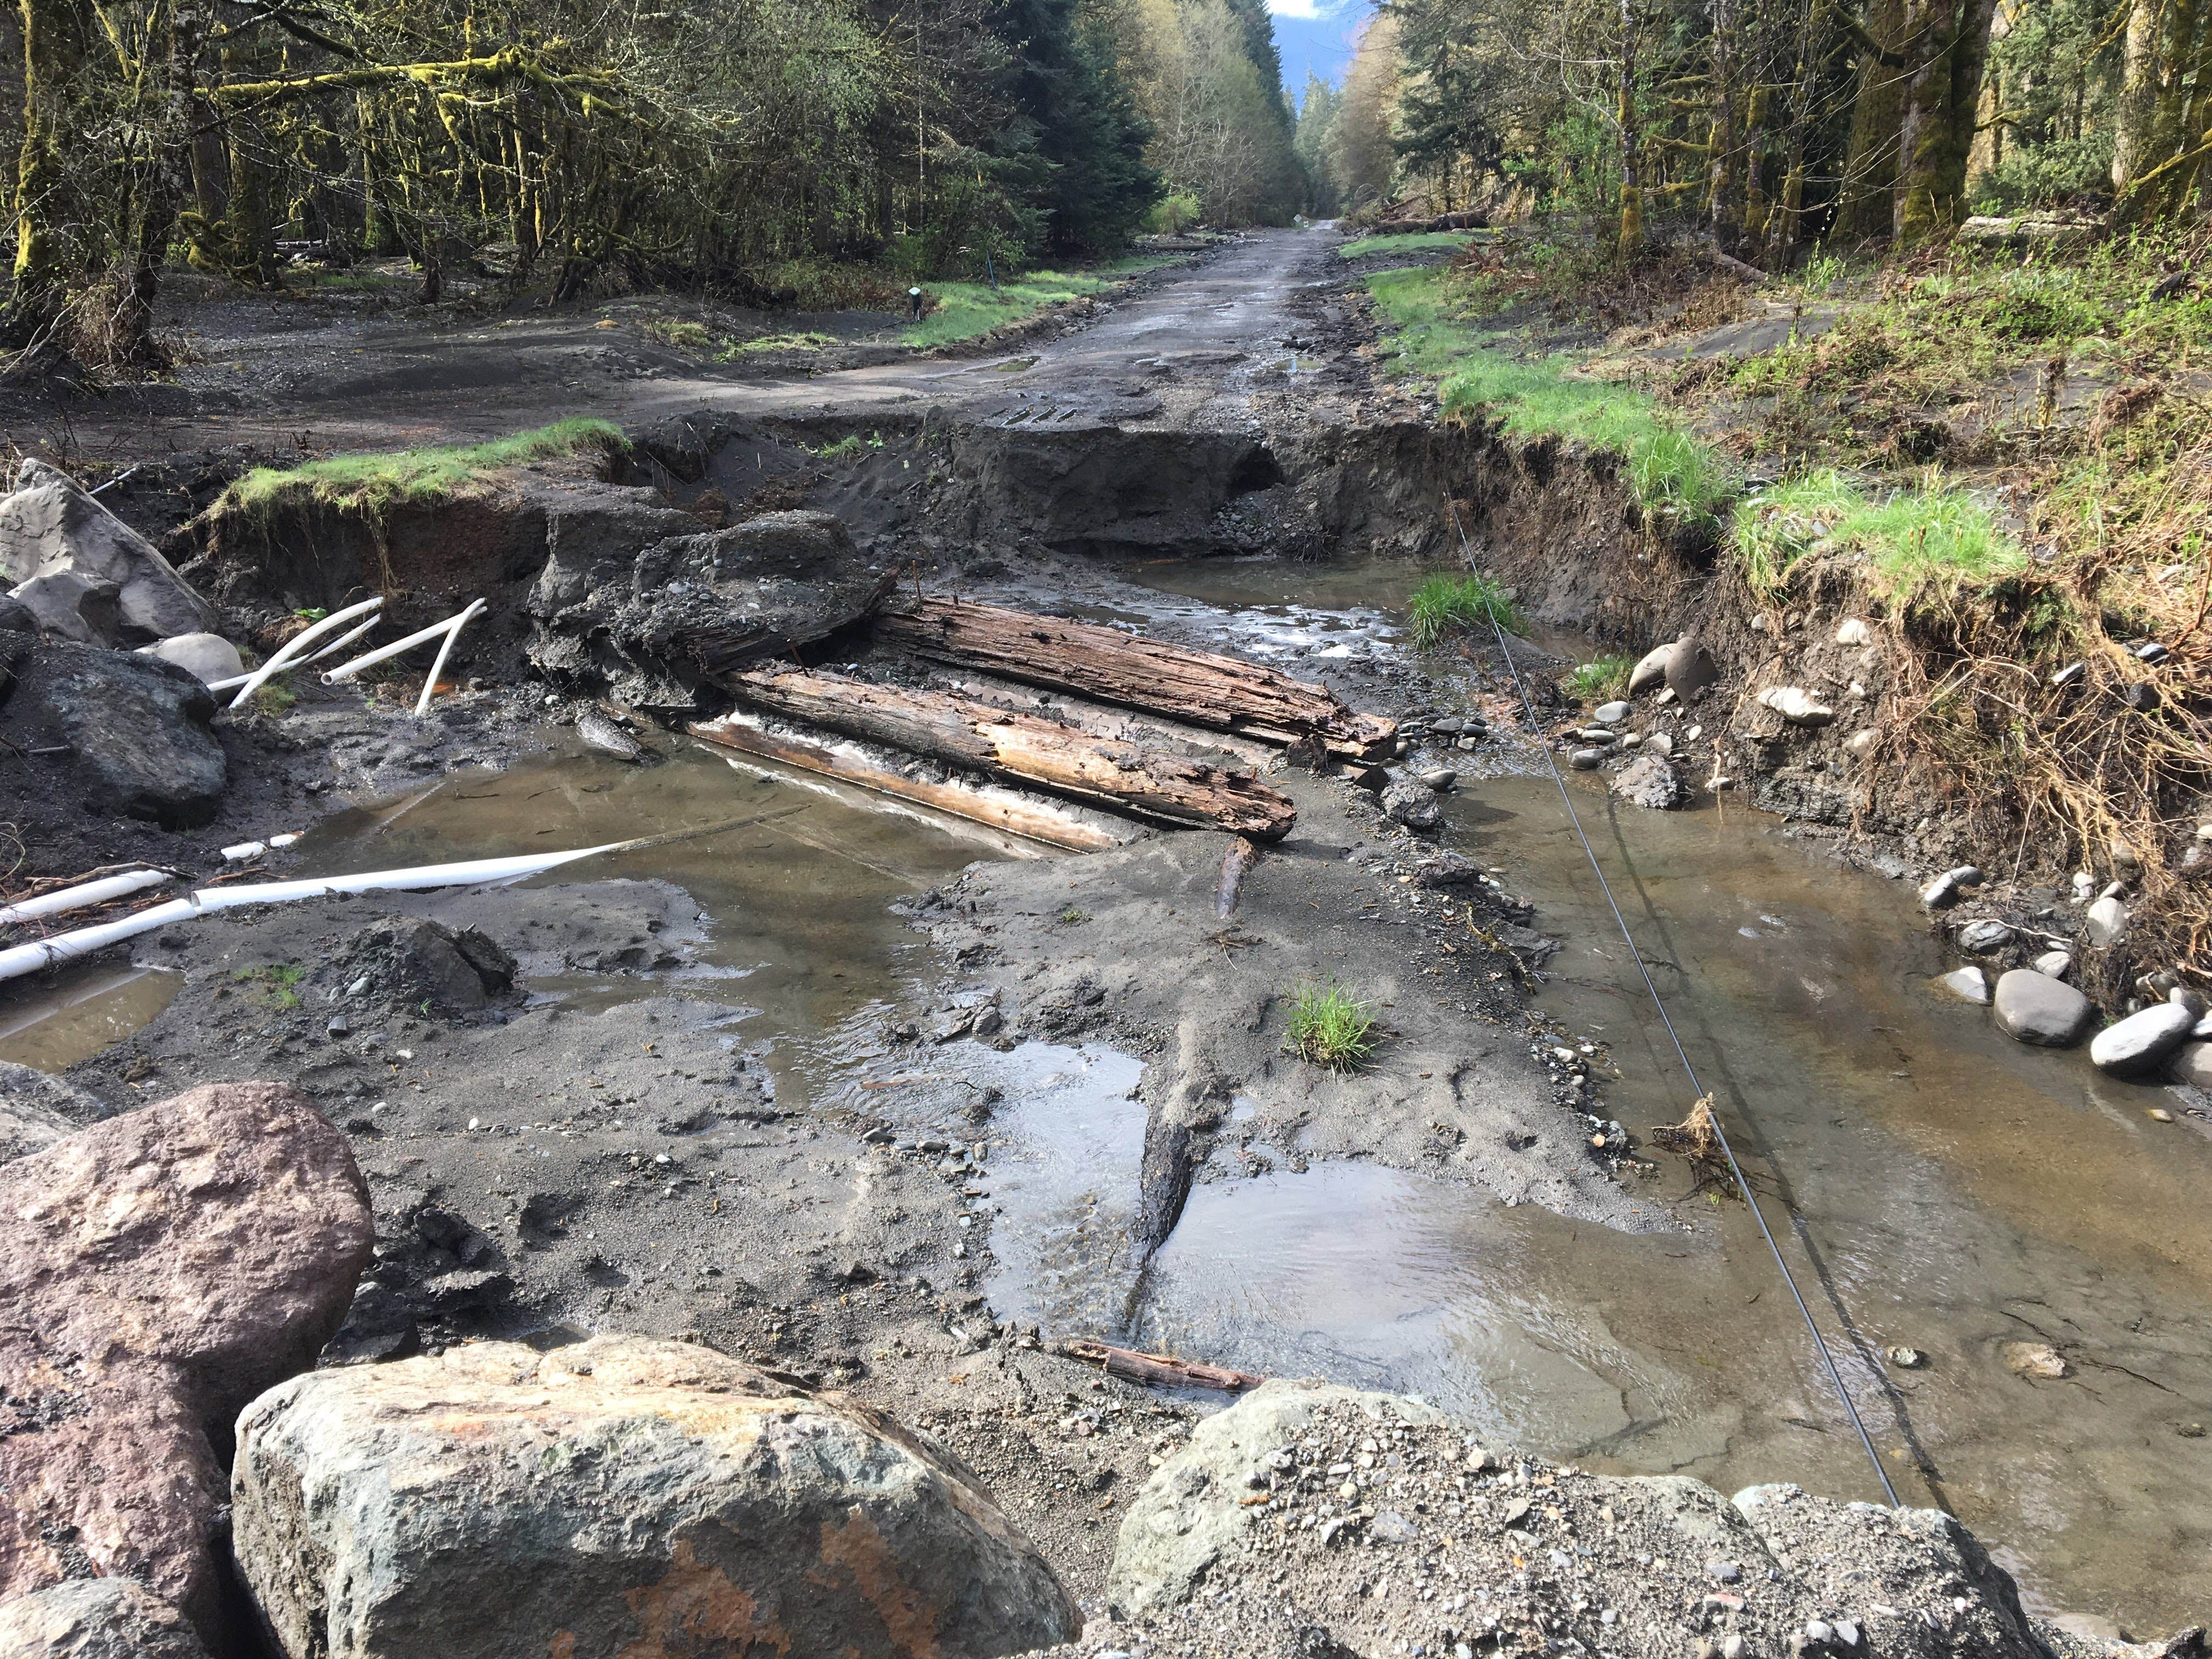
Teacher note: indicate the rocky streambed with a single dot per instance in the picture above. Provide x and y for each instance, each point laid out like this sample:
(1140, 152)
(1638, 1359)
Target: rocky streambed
(675, 1253)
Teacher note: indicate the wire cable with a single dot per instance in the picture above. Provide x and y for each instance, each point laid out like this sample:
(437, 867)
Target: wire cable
(1743, 1184)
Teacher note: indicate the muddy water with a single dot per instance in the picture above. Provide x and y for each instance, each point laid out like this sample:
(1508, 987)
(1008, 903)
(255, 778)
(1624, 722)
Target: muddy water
(796, 886)
(1957, 1192)
(51, 1026)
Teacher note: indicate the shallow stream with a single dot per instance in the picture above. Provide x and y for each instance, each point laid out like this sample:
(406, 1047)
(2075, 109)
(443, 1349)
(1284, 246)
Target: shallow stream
(1935, 1186)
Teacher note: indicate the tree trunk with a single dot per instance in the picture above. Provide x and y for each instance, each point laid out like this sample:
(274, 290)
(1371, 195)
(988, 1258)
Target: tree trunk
(2137, 104)
(1026, 749)
(1789, 225)
(1725, 218)
(1962, 108)
(1197, 687)
(50, 59)
(1863, 209)
(1631, 241)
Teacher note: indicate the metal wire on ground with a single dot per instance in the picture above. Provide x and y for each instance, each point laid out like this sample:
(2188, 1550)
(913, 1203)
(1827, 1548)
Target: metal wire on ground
(1697, 1089)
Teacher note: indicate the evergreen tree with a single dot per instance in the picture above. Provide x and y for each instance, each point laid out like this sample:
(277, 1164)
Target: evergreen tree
(1075, 126)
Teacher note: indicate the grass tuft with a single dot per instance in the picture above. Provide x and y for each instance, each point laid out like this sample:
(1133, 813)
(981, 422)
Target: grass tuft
(1445, 605)
(1331, 1027)
(378, 480)
(1602, 679)
(1927, 536)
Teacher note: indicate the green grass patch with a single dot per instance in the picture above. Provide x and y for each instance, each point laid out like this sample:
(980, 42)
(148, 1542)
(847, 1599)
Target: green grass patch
(804, 341)
(1412, 241)
(1669, 471)
(1602, 679)
(964, 310)
(1446, 604)
(1331, 1027)
(1927, 537)
(377, 480)
(277, 980)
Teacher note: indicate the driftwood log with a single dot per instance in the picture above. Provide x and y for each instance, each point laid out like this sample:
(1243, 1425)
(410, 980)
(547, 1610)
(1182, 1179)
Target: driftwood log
(1159, 1368)
(1197, 687)
(1236, 864)
(1031, 819)
(1026, 750)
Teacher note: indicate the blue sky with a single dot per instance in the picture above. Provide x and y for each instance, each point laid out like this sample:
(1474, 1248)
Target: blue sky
(1316, 35)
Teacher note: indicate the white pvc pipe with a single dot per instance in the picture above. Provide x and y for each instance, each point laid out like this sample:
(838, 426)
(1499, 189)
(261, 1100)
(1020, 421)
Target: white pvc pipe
(65, 947)
(255, 849)
(346, 639)
(384, 653)
(422, 702)
(293, 648)
(83, 896)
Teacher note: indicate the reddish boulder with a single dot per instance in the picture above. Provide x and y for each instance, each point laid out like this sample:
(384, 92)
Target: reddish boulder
(157, 1271)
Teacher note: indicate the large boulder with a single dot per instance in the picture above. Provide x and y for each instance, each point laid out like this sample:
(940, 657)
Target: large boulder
(626, 1495)
(653, 626)
(71, 606)
(2143, 1043)
(37, 1110)
(129, 735)
(1683, 665)
(1193, 1508)
(157, 1271)
(2037, 1008)
(209, 657)
(50, 524)
(1366, 1525)
(1652, 780)
(96, 1619)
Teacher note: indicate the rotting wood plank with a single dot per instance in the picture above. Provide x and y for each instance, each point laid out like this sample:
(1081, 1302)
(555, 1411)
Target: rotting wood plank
(1031, 820)
(1023, 749)
(1199, 687)
(1160, 1369)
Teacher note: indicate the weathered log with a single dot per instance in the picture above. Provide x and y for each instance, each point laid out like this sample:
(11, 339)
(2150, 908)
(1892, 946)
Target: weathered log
(1198, 686)
(1026, 750)
(1159, 1368)
(1031, 819)
(1240, 858)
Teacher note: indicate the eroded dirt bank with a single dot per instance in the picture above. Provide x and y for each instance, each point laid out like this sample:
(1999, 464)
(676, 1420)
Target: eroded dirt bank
(894, 1106)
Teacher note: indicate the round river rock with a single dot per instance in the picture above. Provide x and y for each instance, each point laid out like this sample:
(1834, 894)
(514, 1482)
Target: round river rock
(2037, 1008)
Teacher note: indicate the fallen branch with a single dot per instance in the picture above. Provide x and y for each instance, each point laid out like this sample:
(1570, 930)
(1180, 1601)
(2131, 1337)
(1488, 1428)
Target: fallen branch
(1159, 1368)
(1024, 748)
(1198, 686)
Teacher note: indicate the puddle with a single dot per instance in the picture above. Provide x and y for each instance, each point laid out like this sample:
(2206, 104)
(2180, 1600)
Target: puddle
(798, 898)
(81, 1013)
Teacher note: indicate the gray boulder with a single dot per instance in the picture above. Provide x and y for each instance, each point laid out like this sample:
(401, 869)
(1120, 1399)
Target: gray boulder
(2036, 1008)
(71, 606)
(50, 524)
(2143, 1043)
(1683, 665)
(2106, 921)
(650, 626)
(2192, 1064)
(1980, 938)
(134, 732)
(1412, 805)
(1651, 779)
(207, 657)
(1191, 1510)
(96, 1619)
(1970, 983)
(15, 617)
(37, 1110)
(627, 1494)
